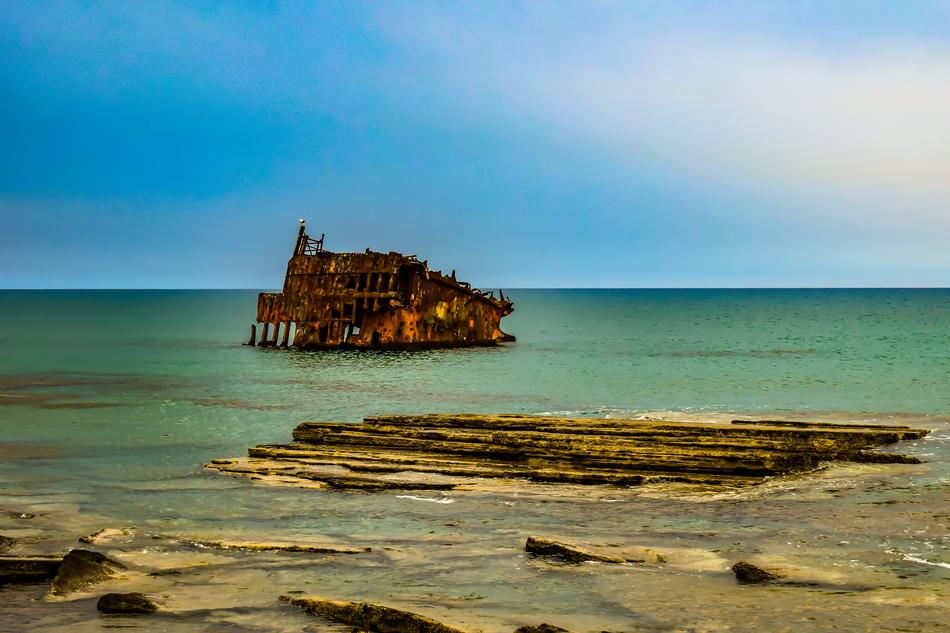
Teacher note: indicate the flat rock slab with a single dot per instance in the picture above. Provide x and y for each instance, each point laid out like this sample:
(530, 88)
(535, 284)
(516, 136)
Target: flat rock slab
(446, 451)
(279, 547)
(571, 553)
(81, 569)
(374, 485)
(567, 552)
(28, 569)
(370, 617)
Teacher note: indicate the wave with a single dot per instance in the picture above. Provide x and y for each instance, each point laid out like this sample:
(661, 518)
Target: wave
(923, 561)
(442, 500)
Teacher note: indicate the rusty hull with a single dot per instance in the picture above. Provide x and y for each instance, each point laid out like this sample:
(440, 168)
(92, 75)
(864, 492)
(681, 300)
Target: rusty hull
(374, 300)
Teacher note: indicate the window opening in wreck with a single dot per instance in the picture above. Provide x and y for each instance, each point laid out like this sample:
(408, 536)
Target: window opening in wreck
(347, 310)
(324, 333)
(350, 282)
(373, 282)
(384, 280)
(362, 283)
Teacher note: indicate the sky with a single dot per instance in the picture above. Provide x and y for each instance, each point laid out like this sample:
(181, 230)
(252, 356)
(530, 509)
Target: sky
(524, 144)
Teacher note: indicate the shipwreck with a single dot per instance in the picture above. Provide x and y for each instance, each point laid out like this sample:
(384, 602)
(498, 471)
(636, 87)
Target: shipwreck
(374, 300)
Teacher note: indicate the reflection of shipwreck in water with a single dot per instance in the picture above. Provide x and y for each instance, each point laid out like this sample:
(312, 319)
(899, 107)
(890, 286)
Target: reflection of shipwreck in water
(374, 300)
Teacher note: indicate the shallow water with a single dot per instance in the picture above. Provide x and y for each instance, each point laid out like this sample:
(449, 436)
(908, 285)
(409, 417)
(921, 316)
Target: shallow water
(110, 402)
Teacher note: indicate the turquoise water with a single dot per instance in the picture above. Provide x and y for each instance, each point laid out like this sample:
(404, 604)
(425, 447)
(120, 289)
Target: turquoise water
(111, 401)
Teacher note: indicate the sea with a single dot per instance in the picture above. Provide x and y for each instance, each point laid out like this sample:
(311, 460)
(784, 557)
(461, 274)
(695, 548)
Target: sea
(112, 401)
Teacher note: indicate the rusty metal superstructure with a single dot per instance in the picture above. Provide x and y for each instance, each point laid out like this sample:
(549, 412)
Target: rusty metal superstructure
(374, 300)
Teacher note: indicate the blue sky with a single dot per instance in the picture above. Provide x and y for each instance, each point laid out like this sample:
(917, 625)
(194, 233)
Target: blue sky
(525, 144)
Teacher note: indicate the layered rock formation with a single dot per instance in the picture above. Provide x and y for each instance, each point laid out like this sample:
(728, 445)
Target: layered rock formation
(443, 451)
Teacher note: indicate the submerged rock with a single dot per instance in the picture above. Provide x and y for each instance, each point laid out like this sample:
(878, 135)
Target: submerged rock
(643, 555)
(541, 628)
(81, 569)
(24, 570)
(751, 574)
(565, 551)
(105, 534)
(22, 515)
(126, 603)
(370, 617)
(6, 543)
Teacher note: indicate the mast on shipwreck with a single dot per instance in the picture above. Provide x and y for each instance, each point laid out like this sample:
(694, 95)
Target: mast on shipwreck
(374, 300)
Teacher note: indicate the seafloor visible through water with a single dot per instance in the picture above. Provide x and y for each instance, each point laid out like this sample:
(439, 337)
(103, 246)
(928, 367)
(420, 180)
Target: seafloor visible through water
(110, 402)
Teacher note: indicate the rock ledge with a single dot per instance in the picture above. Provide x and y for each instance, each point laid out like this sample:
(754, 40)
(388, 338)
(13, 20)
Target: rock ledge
(370, 617)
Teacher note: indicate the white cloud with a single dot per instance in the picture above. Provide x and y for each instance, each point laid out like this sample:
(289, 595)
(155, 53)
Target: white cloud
(860, 130)
(809, 154)
(869, 121)
(857, 125)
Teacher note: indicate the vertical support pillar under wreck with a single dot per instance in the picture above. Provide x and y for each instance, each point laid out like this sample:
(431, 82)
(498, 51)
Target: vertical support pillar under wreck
(263, 342)
(253, 339)
(285, 339)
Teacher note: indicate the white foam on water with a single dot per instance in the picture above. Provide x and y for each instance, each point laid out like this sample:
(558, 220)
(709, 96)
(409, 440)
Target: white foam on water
(924, 561)
(917, 559)
(442, 500)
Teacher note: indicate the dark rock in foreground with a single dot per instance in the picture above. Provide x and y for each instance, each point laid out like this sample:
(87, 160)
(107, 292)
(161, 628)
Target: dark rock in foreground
(370, 617)
(6, 543)
(81, 569)
(126, 603)
(541, 628)
(23, 570)
(750, 574)
(442, 451)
